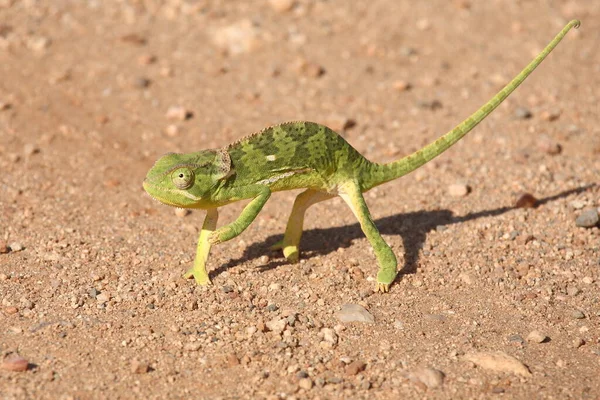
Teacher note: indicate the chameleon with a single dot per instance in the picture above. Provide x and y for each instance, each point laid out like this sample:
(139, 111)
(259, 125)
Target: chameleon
(297, 155)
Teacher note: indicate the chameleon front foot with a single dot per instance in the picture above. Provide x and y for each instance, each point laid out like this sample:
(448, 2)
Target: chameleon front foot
(382, 287)
(291, 253)
(201, 277)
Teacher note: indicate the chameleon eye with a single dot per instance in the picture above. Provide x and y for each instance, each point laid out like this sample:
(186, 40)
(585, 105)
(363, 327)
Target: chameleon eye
(183, 178)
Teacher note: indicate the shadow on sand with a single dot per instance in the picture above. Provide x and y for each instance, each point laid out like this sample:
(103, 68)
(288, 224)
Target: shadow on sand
(412, 227)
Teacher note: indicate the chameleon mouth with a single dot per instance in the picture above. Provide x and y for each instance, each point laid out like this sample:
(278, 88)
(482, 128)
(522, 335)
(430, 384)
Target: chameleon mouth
(162, 194)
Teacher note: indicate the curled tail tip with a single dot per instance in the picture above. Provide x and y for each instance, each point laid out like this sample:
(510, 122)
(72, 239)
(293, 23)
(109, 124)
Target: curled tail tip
(575, 23)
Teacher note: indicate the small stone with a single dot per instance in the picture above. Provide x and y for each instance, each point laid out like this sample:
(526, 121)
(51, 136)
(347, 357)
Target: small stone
(182, 212)
(522, 113)
(14, 362)
(238, 38)
(550, 115)
(355, 367)
(10, 310)
(548, 146)
(38, 43)
(172, 130)
(275, 287)
(30, 149)
(430, 377)
(264, 260)
(305, 383)
(578, 342)
(309, 68)
(578, 314)
(276, 325)
(138, 367)
(141, 82)
(430, 104)
(232, 360)
(134, 38)
(340, 123)
(16, 246)
(577, 204)
(573, 290)
(498, 361)
(329, 336)
(4, 105)
(103, 297)
(537, 337)
(354, 313)
(588, 218)
(458, 190)
(282, 6)
(146, 59)
(193, 346)
(272, 307)
(402, 86)
(527, 200)
(4, 247)
(178, 113)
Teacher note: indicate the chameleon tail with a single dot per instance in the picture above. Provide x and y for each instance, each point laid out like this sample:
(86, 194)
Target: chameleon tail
(382, 173)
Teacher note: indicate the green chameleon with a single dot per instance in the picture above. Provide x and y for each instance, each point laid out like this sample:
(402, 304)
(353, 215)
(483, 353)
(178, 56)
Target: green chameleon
(296, 155)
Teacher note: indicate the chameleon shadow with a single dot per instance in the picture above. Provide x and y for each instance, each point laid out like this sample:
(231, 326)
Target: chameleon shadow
(412, 227)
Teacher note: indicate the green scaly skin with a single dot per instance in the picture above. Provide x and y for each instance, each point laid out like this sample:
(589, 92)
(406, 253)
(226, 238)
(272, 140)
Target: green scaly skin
(296, 155)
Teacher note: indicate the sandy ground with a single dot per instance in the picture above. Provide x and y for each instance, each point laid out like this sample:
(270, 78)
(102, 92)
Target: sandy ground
(492, 301)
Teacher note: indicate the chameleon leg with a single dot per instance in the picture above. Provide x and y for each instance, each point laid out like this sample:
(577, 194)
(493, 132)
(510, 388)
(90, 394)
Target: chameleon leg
(259, 194)
(385, 256)
(198, 271)
(293, 231)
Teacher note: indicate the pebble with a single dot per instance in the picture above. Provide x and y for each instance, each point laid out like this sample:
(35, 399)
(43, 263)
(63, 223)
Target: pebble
(141, 82)
(577, 204)
(498, 361)
(276, 325)
(573, 290)
(272, 307)
(38, 43)
(430, 104)
(340, 123)
(537, 337)
(430, 377)
(232, 360)
(182, 212)
(523, 113)
(238, 38)
(10, 310)
(588, 218)
(16, 246)
(578, 342)
(305, 383)
(14, 362)
(172, 130)
(550, 115)
(402, 86)
(578, 314)
(458, 190)
(310, 69)
(329, 336)
(178, 113)
(30, 149)
(548, 146)
(138, 367)
(355, 367)
(526, 200)
(354, 313)
(4, 105)
(281, 6)
(4, 247)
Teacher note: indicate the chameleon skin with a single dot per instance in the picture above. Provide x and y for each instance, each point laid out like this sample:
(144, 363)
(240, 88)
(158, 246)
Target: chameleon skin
(290, 156)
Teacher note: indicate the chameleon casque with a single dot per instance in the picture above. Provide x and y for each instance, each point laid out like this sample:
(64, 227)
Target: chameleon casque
(296, 155)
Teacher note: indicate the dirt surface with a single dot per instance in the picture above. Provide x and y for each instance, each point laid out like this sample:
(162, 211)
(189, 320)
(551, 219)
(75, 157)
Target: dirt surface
(492, 300)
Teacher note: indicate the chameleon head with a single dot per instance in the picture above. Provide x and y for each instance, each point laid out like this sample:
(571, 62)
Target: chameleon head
(186, 180)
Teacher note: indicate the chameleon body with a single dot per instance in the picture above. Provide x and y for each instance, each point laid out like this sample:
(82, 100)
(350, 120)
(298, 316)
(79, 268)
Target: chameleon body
(296, 155)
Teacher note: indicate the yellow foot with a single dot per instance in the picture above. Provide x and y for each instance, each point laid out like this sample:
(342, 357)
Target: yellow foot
(200, 277)
(382, 287)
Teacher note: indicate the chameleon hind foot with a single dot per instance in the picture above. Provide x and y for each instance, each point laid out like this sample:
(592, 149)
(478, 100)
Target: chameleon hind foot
(291, 253)
(201, 277)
